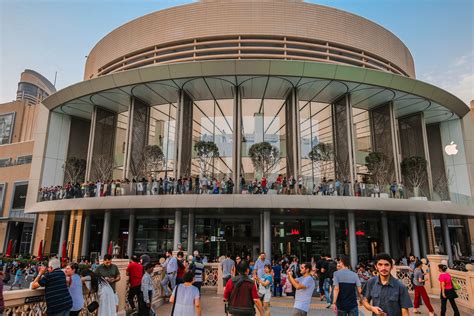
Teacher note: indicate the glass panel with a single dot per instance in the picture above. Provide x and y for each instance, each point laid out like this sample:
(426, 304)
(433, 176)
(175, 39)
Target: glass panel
(212, 122)
(263, 121)
(120, 144)
(161, 132)
(19, 196)
(153, 235)
(368, 235)
(316, 131)
(363, 140)
(342, 153)
(6, 125)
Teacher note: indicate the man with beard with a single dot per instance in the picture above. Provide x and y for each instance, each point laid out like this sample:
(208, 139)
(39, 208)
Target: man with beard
(383, 294)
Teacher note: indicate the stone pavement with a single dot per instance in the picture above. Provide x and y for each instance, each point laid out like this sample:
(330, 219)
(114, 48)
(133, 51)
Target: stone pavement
(212, 305)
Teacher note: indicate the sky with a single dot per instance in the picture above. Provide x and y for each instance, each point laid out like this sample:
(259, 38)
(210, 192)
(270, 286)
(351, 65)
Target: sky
(52, 36)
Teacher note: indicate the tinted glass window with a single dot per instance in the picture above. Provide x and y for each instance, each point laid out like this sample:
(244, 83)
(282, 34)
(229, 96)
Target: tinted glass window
(19, 196)
(6, 127)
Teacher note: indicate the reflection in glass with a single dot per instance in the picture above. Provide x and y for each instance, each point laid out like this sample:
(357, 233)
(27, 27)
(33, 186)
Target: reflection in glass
(212, 122)
(263, 120)
(316, 128)
(162, 131)
(363, 140)
(120, 141)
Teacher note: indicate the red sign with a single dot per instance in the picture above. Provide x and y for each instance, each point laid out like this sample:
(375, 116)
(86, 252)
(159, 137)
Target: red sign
(295, 232)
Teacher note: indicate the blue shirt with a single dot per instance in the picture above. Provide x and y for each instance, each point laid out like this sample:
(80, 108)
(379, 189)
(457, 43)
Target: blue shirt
(303, 296)
(260, 266)
(269, 278)
(75, 290)
(277, 271)
(391, 297)
(348, 282)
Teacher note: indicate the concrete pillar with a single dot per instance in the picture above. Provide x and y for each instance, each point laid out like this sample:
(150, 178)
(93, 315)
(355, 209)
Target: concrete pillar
(86, 236)
(352, 238)
(262, 236)
(131, 234)
(237, 139)
(177, 229)
(137, 137)
(385, 231)
(423, 235)
(446, 239)
(415, 243)
(190, 248)
(332, 235)
(185, 135)
(64, 232)
(292, 128)
(267, 235)
(105, 233)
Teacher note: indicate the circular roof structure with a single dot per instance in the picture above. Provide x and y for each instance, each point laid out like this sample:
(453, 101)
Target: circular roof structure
(317, 82)
(249, 29)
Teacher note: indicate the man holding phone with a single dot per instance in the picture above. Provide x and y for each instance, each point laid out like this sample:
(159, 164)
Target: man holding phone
(383, 294)
(304, 286)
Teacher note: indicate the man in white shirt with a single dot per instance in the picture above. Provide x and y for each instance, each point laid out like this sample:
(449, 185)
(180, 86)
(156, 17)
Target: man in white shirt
(171, 268)
(147, 289)
(304, 286)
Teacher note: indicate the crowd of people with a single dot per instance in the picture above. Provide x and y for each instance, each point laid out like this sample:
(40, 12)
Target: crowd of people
(212, 185)
(248, 285)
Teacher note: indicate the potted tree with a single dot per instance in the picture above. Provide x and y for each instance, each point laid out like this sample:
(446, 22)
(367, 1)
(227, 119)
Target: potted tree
(150, 162)
(415, 172)
(206, 153)
(74, 170)
(264, 158)
(380, 168)
(320, 155)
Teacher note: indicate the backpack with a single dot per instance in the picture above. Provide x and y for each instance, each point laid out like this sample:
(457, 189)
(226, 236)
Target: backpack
(240, 300)
(332, 267)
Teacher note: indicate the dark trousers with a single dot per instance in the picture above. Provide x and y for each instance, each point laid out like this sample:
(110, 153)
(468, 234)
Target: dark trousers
(198, 285)
(225, 280)
(444, 301)
(321, 285)
(277, 287)
(74, 313)
(132, 293)
(144, 310)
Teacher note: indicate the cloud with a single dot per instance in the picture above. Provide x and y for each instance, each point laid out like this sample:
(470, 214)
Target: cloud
(456, 77)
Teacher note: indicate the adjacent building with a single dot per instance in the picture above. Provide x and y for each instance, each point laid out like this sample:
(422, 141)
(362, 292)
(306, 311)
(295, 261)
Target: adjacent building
(238, 73)
(17, 124)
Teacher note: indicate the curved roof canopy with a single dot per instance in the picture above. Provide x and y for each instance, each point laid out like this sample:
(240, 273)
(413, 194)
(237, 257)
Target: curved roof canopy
(270, 79)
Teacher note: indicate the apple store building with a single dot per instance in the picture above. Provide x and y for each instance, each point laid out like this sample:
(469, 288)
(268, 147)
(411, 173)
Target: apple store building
(246, 126)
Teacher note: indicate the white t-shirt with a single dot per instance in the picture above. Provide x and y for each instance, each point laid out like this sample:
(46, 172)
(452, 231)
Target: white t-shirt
(303, 297)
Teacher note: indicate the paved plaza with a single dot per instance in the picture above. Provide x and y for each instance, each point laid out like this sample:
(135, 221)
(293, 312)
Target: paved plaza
(212, 305)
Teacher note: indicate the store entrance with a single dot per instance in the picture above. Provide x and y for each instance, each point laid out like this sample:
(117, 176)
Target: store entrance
(216, 237)
(300, 237)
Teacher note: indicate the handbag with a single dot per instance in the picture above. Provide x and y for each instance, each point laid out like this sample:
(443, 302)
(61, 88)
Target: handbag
(456, 285)
(93, 306)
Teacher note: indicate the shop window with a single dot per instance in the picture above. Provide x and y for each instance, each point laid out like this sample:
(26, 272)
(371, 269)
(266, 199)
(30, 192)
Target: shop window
(19, 196)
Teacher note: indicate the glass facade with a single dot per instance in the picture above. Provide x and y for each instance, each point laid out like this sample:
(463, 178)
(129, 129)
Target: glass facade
(162, 133)
(316, 126)
(6, 128)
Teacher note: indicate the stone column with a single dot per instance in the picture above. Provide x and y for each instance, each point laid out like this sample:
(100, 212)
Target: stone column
(86, 236)
(385, 231)
(415, 243)
(184, 135)
(101, 139)
(137, 136)
(423, 234)
(131, 234)
(177, 229)
(446, 239)
(64, 232)
(332, 235)
(105, 233)
(237, 139)
(292, 134)
(190, 248)
(352, 238)
(267, 235)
